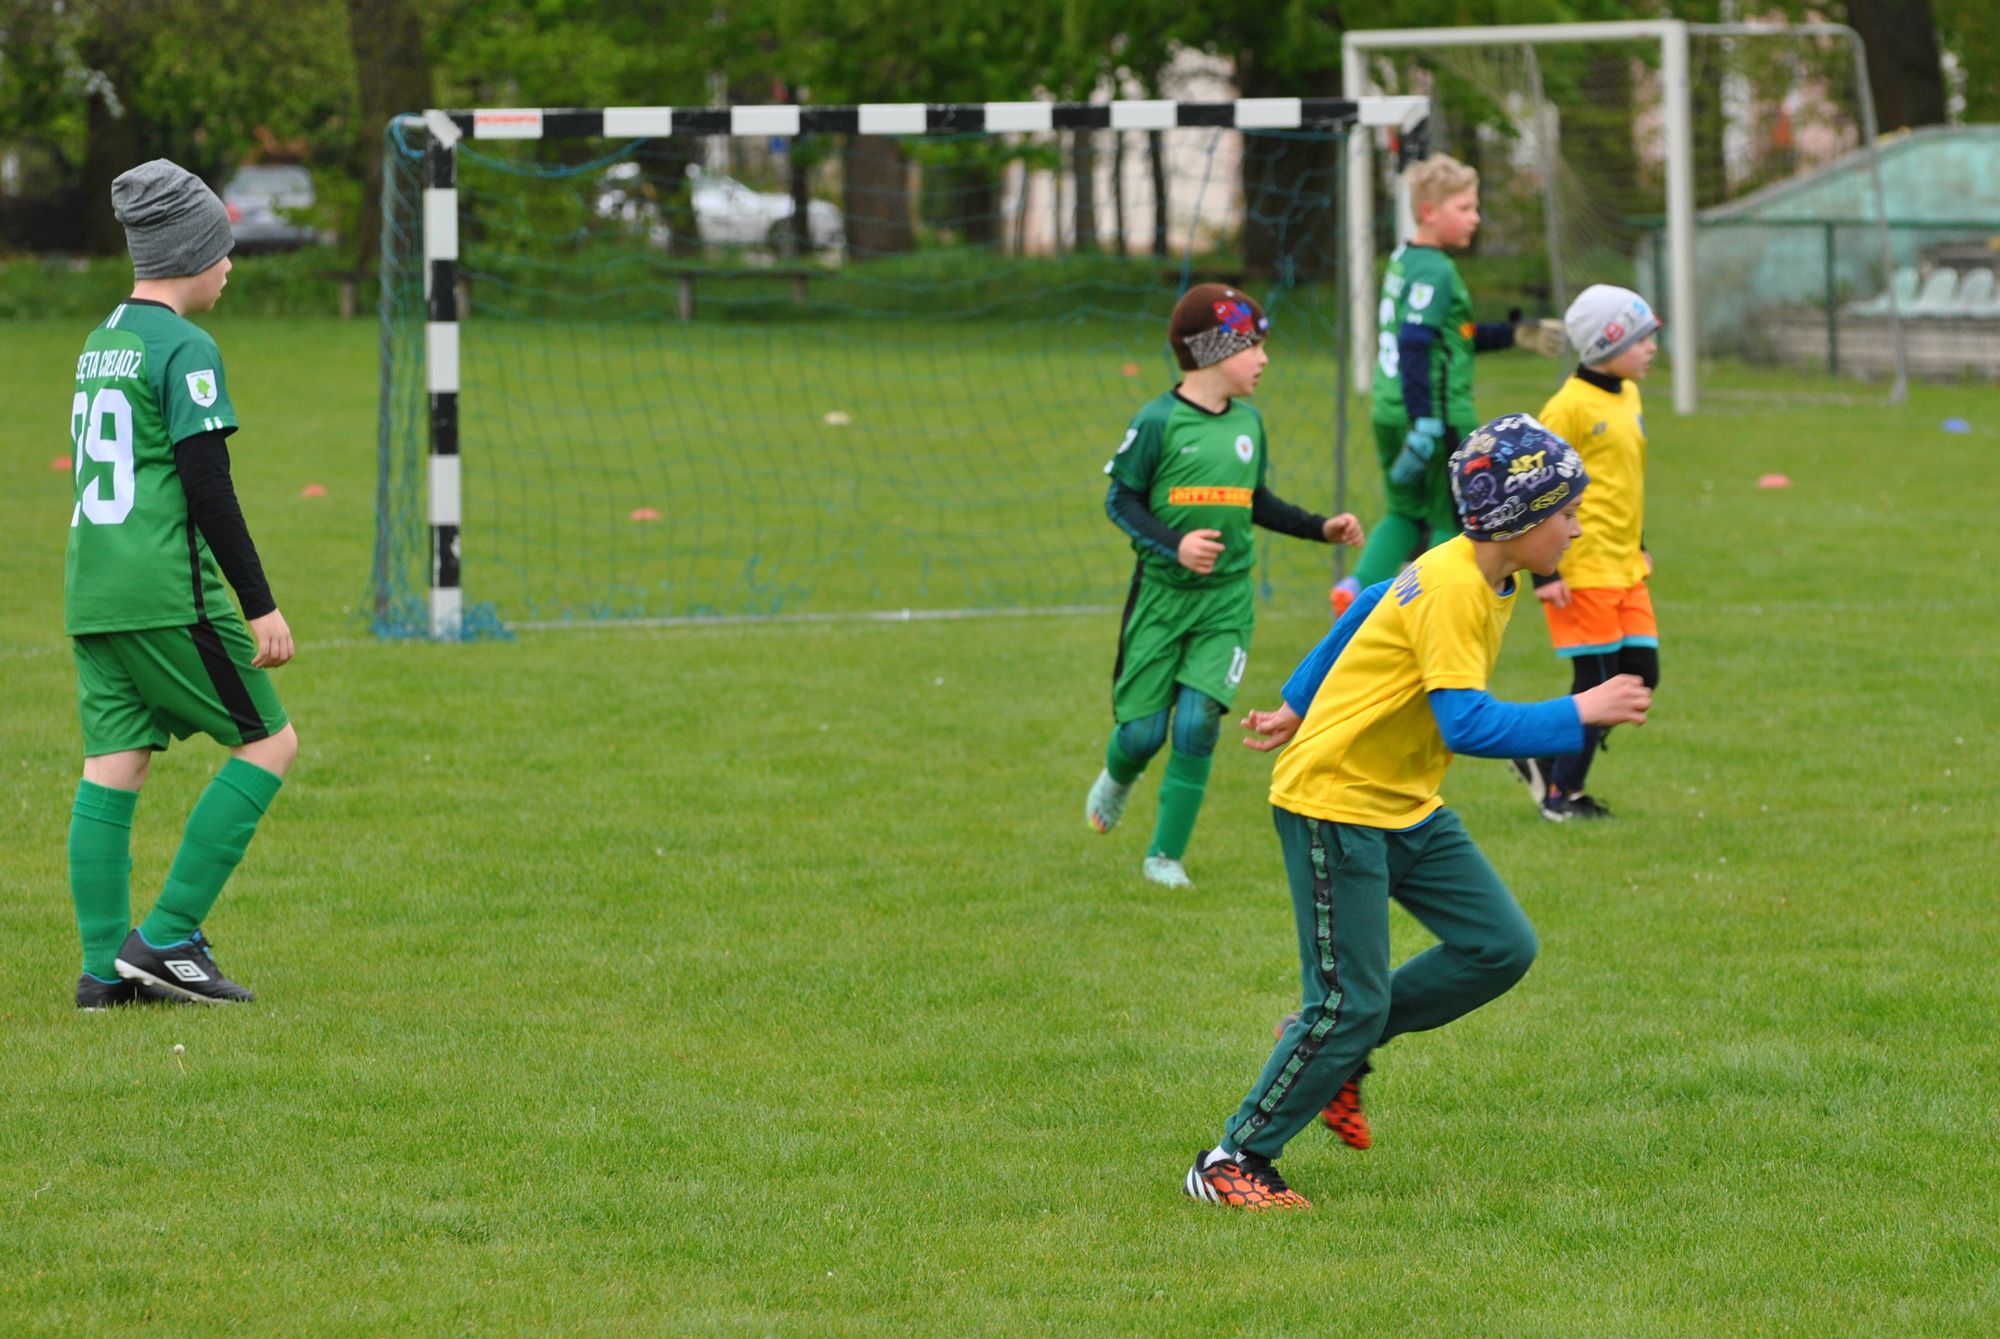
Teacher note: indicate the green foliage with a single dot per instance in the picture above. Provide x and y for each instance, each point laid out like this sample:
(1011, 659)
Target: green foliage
(286, 283)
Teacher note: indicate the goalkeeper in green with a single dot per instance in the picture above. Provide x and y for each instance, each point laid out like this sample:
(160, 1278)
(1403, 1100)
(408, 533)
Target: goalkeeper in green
(1187, 487)
(160, 653)
(1425, 343)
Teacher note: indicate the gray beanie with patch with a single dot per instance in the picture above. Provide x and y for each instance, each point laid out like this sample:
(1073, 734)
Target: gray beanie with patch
(174, 225)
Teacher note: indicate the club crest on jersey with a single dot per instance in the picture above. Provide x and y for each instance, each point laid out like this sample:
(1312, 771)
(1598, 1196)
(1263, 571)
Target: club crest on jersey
(202, 388)
(1245, 448)
(1420, 296)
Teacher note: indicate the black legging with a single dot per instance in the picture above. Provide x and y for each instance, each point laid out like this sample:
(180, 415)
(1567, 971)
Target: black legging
(1589, 671)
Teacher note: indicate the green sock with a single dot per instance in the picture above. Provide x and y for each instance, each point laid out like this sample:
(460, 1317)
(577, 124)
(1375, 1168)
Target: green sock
(1389, 546)
(1123, 770)
(100, 873)
(1181, 790)
(218, 832)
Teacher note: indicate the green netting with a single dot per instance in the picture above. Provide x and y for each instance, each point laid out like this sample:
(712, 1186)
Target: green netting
(682, 398)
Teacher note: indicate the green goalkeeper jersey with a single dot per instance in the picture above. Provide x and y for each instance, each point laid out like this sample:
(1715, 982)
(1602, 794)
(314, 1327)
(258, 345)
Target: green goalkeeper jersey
(1197, 471)
(1422, 287)
(147, 379)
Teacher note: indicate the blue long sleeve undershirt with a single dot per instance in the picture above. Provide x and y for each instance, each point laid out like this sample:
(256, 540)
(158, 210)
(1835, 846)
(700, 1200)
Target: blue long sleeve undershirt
(1471, 720)
(1413, 345)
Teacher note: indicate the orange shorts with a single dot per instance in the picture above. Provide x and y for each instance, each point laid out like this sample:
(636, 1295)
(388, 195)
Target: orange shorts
(1599, 620)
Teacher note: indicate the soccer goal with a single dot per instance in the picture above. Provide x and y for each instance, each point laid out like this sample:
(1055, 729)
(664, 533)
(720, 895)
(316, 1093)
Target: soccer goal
(678, 364)
(1728, 171)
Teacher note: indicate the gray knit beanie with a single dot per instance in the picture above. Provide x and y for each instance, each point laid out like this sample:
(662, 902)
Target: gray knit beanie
(174, 225)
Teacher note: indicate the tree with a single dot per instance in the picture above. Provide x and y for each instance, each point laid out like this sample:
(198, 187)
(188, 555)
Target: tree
(1904, 67)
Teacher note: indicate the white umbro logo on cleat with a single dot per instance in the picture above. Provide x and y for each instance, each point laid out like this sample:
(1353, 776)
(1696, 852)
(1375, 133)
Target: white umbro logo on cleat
(186, 970)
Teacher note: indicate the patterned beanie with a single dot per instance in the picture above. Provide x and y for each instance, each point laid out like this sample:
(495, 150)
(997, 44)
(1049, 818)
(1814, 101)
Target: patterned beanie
(1212, 322)
(1513, 474)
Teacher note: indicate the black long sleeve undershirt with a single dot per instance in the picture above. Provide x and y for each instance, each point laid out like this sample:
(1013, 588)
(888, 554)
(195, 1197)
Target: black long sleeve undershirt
(203, 464)
(1126, 506)
(1274, 513)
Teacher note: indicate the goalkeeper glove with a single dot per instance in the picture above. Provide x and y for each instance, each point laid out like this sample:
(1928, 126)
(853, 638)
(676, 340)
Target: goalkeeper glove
(1544, 337)
(1418, 447)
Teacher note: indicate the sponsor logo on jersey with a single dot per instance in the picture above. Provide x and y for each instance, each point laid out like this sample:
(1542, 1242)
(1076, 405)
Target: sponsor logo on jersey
(1600, 429)
(202, 387)
(1245, 448)
(1208, 497)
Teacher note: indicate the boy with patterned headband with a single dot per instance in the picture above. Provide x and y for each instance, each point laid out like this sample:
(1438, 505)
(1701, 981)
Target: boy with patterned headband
(1423, 377)
(1599, 610)
(1187, 486)
(160, 653)
(1372, 719)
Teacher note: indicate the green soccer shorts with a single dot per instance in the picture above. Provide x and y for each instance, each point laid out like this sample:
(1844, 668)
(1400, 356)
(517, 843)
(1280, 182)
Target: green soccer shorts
(136, 689)
(1173, 635)
(1428, 500)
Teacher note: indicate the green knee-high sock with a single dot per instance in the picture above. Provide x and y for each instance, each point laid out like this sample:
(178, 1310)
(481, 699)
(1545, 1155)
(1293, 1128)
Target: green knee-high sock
(1388, 548)
(1181, 790)
(100, 873)
(1123, 770)
(218, 832)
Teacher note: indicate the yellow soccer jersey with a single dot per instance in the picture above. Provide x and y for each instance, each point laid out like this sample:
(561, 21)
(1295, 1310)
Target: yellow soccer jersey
(1609, 432)
(1369, 751)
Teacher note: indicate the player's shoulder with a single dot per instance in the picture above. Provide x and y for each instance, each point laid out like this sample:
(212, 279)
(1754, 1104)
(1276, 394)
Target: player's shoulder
(1447, 568)
(1158, 411)
(1432, 264)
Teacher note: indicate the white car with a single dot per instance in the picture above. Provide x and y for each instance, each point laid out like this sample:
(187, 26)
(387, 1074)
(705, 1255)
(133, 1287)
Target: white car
(726, 212)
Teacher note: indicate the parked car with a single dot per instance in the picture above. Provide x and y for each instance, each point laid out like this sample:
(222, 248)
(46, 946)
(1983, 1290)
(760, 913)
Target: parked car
(726, 212)
(262, 201)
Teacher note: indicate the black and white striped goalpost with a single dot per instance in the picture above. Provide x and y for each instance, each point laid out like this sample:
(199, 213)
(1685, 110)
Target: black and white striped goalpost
(444, 130)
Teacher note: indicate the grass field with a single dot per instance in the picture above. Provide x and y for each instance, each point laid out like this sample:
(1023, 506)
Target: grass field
(764, 979)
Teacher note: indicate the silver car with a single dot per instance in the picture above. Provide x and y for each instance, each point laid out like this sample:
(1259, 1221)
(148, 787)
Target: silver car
(261, 201)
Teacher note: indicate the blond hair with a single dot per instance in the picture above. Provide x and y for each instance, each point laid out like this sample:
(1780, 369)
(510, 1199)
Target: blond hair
(1436, 179)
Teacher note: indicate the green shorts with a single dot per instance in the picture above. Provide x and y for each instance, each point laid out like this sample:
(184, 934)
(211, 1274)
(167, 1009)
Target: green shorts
(1428, 500)
(135, 689)
(1172, 636)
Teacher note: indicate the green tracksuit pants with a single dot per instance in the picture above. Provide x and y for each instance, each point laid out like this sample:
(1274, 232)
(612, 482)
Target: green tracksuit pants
(1342, 877)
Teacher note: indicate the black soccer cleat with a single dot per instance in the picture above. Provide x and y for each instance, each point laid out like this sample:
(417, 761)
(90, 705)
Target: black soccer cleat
(1534, 773)
(187, 971)
(93, 995)
(1561, 808)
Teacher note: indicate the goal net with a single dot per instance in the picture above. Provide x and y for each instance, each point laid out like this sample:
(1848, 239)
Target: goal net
(698, 363)
(1571, 132)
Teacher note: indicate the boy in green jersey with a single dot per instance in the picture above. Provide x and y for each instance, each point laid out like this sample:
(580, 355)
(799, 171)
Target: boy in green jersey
(1425, 341)
(1187, 486)
(160, 654)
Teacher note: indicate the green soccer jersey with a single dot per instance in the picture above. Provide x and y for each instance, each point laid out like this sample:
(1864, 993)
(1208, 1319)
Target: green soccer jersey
(146, 380)
(1197, 471)
(1422, 287)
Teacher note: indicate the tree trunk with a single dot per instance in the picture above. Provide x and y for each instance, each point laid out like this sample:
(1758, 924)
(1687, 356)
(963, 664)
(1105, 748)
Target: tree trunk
(878, 197)
(1156, 159)
(1904, 67)
(394, 77)
(112, 135)
(1118, 191)
(1083, 161)
(1289, 223)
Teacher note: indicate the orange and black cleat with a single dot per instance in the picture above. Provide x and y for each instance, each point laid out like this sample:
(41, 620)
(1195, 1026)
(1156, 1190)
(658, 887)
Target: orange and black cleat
(1244, 1181)
(1343, 1115)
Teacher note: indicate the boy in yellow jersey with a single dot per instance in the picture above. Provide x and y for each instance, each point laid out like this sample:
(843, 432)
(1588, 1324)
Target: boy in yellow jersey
(1372, 718)
(1599, 611)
